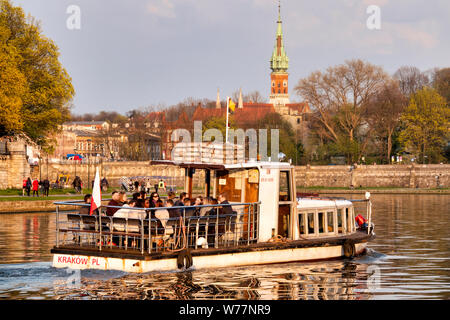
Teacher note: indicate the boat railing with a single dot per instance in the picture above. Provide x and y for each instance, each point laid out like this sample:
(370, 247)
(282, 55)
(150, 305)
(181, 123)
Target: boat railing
(160, 229)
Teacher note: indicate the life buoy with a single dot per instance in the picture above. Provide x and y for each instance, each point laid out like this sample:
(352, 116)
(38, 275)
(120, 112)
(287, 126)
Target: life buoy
(349, 249)
(184, 259)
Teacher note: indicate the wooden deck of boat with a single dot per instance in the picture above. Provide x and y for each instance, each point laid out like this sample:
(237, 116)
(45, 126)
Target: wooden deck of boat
(135, 254)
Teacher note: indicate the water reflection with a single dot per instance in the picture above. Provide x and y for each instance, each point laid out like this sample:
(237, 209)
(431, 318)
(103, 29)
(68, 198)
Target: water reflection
(409, 259)
(335, 280)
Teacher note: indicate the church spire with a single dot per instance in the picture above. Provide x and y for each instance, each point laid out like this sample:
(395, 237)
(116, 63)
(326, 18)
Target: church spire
(279, 61)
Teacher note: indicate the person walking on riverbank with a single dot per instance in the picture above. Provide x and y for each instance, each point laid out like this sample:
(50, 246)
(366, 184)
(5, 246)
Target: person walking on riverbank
(46, 185)
(28, 187)
(36, 187)
(24, 186)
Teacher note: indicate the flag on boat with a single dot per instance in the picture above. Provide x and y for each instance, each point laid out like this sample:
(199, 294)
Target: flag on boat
(96, 200)
(231, 106)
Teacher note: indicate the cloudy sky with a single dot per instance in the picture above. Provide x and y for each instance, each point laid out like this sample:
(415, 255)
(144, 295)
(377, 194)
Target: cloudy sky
(136, 53)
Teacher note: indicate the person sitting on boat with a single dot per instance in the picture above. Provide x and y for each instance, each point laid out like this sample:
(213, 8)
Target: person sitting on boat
(198, 202)
(188, 212)
(85, 209)
(115, 202)
(137, 196)
(128, 212)
(180, 202)
(154, 197)
(173, 213)
(163, 215)
(204, 210)
(123, 197)
(222, 198)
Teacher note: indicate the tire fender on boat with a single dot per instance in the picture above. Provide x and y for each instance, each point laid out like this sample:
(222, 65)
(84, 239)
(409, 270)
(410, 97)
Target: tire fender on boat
(349, 249)
(184, 259)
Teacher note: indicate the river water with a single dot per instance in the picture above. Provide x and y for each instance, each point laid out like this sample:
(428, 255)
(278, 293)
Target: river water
(409, 259)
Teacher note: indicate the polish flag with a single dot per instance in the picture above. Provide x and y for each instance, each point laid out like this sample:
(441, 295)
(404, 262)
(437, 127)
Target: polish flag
(96, 200)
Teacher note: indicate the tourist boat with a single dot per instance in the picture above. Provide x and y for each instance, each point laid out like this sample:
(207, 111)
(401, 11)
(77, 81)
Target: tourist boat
(266, 222)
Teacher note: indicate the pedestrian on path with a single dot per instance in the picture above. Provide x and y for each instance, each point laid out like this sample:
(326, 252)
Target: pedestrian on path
(36, 187)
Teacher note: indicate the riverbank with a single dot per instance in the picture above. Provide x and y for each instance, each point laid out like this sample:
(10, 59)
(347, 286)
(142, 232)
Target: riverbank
(35, 204)
(321, 190)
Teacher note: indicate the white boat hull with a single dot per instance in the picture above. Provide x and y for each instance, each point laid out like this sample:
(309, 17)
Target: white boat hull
(206, 261)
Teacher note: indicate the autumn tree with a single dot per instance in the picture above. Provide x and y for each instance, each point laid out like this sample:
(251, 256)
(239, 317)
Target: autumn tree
(426, 123)
(34, 83)
(340, 99)
(12, 86)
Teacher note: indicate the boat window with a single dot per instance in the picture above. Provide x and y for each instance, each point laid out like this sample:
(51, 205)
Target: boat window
(285, 194)
(330, 221)
(321, 222)
(311, 223)
(301, 223)
(349, 220)
(339, 220)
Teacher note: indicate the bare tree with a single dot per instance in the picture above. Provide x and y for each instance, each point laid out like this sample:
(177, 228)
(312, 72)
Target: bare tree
(411, 79)
(340, 98)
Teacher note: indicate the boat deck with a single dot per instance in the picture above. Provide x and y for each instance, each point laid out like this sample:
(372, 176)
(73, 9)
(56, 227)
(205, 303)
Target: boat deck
(358, 237)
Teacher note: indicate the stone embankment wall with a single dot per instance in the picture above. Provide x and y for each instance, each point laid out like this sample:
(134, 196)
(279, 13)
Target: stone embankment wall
(403, 176)
(14, 167)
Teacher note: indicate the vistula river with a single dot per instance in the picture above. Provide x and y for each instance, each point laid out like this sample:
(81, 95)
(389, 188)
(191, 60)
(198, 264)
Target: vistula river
(409, 259)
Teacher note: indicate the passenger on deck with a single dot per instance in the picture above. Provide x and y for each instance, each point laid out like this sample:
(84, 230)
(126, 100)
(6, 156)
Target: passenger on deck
(136, 196)
(123, 197)
(204, 211)
(198, 202)
(173, 213)
(147, 203)
(222, 198)
(188, 212)
(163, 215)
(115, 201)
(85, 209)
(180, 202)
(171, 195)
(127, 212)
(154, 197)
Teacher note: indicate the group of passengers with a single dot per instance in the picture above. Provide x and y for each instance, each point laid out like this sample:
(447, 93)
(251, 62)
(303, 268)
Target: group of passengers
(122, 207)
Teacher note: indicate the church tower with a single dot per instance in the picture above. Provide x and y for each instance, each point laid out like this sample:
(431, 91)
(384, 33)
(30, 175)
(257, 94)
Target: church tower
(279, 63)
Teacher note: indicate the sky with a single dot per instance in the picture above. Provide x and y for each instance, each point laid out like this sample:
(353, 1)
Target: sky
(130, 54)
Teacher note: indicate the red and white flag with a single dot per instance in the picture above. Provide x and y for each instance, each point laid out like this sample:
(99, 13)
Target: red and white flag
(96, 200)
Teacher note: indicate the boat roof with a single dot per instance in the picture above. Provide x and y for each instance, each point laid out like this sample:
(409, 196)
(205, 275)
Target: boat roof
(308, 203)
(218, 166)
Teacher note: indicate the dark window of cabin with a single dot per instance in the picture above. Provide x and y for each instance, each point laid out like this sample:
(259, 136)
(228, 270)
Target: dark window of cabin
(311, 223)
(321, 222)
(284, 192)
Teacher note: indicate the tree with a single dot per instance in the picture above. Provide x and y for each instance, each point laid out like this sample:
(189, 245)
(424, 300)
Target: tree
(12, 86)
(45, 102)
(426, 124)
(384, 113)
(340, 99)
(441, 83)
(411, 79)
